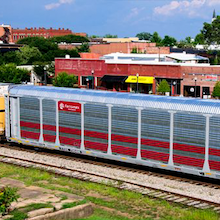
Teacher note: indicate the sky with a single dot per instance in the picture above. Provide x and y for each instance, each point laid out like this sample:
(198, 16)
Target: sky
(125, 18)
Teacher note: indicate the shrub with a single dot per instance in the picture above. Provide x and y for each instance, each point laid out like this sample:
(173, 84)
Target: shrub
(7, 196)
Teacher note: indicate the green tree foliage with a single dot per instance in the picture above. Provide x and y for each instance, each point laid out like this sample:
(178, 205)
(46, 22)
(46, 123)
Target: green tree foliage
(64, 80)
(83, 48)
(69, 39)
(156, 38)
(110, 36)
(199, 39)
(187, 43)
(28, 55)
(211, 31)
(10, 74)
(216, 91)
(144, 36)
(48, 49)
(169, 41)
(39, 68)
(9, 57)
(7, 196)
(163, 87)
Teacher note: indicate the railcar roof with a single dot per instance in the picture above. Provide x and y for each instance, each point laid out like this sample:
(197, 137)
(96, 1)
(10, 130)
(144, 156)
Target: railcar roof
(117, 98)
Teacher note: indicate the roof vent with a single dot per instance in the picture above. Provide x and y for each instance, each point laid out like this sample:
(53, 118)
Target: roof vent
(67, 56)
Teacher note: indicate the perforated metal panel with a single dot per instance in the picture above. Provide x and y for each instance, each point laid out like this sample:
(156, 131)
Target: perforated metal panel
(96, 127)
(70, 128)
(49, 120)
(214, 143)
(155, 135)
(124, 130)
(189, 139)
(30, 117)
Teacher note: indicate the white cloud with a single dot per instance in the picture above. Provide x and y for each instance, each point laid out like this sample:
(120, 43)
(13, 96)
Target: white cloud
(189, 7)
(133, 13)
(57, 4)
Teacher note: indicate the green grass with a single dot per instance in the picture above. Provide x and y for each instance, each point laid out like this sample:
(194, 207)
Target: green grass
(35, 206)
(135, 205)
(73, 204)
(18, 215)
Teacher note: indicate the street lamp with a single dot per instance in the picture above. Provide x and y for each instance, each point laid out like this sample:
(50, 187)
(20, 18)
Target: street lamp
(174, 84)
(195, 85)
(45, 75)
(137, 81)
(92, 79)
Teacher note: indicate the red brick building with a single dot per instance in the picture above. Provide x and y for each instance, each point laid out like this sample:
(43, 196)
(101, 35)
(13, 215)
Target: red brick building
(187, 79)
(140, 47)
(40, 32)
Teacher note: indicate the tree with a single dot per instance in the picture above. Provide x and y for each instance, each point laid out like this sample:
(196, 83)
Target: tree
(211, 31)
(28, 55)
(163, 87)
(64, 80)
(69, 39)
(83, 48)
(216, 91)
(10, 74)
(187, 43)
(199, 39)
(110, 36)
(169, 41)
(48, 49)
(156, 38)
(144, 36)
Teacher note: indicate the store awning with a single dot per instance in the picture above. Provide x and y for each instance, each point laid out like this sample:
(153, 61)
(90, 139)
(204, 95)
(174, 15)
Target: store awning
(141, 79)
(113, 79)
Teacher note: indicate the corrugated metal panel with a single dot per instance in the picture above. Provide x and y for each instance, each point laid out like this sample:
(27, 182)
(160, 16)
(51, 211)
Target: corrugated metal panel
(29, 115)
(49, 120)
(96, 126)
(189, 137)
(124, 130)
(70, 127)
(155, 132)
(214, 142)
(127, 99)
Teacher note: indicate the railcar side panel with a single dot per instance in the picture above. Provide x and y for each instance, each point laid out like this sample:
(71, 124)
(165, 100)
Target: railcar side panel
(163, 138)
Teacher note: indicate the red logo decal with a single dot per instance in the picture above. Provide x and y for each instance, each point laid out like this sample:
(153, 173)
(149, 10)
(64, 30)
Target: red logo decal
(69, 106)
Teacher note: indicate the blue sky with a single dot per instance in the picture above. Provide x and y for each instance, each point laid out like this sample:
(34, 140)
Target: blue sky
(126, 18)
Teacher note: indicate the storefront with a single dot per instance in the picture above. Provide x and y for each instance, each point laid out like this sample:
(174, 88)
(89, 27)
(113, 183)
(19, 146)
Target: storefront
(141, 84)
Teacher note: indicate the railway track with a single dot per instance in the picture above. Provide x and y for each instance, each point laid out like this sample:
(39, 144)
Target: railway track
(150, 191)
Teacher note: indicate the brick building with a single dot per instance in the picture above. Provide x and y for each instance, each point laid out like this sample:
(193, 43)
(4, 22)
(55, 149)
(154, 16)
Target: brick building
(188, 78)
(17, 34)
(139, 47)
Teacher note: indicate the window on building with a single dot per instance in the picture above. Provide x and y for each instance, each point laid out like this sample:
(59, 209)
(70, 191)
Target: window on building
(84, 80)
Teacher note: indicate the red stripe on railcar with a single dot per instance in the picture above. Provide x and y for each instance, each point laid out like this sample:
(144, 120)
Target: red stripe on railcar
(49, 138)
(96, 146)
(189, 148)
(124, 150)
(70, 141)
(190, 161)
(49, 127)
(123, 138)
(155, 143)
(214, 165)
(214, 152)
(29, 134)
(96, 134)
(29, 124)
(70, 130)
(148, 154)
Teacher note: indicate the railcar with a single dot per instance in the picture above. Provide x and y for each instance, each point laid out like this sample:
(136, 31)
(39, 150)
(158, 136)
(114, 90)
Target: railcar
(3, 90)
(173, 133)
